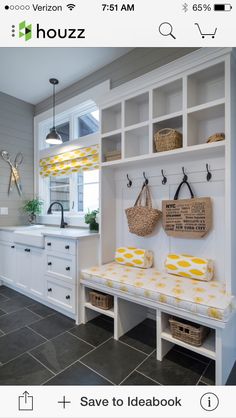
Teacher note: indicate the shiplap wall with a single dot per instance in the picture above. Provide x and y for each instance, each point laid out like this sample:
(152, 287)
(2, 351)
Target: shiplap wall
(16, 134)
(134, 64)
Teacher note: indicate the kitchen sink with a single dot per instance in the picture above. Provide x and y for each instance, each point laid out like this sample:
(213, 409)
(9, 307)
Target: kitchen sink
(32, 235)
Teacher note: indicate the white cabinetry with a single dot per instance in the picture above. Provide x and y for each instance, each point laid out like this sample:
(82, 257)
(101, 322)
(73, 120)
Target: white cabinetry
(30, 269)
(7, 263)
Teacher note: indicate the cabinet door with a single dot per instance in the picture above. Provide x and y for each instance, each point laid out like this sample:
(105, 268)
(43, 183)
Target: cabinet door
(36, 281)
(7, 262)
(24, 266)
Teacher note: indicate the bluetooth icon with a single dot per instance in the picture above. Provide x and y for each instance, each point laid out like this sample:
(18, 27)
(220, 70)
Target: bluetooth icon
(185, 7)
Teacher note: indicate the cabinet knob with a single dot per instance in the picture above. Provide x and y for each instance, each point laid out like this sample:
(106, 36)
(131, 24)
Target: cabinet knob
(27, 250)
(50, 289)
(50, 263)
(67, 296)
(49, 244)
(67, 268)
(67, 247)
(12, 246)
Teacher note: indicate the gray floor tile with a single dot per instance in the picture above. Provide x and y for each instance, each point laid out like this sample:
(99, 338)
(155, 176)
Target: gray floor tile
(41, 310)
(232, 377)
(114, 360)
(78, 374)
(142, 337)
(209, 375)
(2, 312)
(16, 303)
(16, 320)
(138, 379)
(95, 332)
(8, 292)
(24, 370)
(53, 325)
(59, 353)
(175, 369)
(18, 342)
(2, 298)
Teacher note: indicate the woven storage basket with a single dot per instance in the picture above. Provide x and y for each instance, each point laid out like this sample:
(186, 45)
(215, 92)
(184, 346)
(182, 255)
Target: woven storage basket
(216, 137)
(188, 332)
(101, 300)
(167, 139)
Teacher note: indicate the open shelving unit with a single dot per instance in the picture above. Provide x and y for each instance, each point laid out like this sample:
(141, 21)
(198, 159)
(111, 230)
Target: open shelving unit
(196, 95)
(193, 104)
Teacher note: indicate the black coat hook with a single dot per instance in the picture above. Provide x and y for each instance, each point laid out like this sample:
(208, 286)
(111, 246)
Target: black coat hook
(145, 179)
(209, 175)
(129, 184)
(185, 178)
(164, 179)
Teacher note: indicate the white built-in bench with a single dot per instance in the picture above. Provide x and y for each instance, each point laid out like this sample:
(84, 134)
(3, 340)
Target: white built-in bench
(138, 292)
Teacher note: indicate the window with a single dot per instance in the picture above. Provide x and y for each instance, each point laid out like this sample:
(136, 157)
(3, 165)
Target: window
(77, 192)
(59, 188)
(88, 191)
(88, 124)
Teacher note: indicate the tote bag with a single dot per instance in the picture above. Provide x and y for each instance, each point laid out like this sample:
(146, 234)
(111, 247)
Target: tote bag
(187, 218)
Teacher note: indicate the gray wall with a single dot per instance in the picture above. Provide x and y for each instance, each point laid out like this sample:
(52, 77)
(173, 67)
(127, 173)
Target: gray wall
(134, 64)
(16, 134)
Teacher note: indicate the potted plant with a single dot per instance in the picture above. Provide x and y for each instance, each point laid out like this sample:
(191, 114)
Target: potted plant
(91, 219)
(32, 208)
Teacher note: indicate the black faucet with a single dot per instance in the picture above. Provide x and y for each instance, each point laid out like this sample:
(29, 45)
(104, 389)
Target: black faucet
(63, 223)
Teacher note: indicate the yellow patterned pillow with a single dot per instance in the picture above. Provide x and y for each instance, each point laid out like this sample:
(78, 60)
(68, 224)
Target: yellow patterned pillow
(134, 257)
(189, 266)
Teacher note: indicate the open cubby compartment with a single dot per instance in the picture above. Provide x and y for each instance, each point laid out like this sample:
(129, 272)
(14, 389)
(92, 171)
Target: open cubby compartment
(137, 142)
(208, 348)
(207, 85)
(204, 123)
(110, 143)
(173, 123)
(168, 99)
(88, 305)
(137, 109)
(111, 118)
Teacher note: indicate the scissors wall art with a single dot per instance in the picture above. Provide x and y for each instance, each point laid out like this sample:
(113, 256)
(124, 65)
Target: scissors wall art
(14, 175)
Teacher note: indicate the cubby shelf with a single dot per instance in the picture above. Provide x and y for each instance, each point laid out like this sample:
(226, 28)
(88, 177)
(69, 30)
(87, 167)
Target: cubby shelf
(207, 349)
(181, 154)
(107, 312)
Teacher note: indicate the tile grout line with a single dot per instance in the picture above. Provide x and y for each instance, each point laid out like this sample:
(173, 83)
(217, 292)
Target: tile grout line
(134, 348)
(31, 355)
(40, 335)
(100, 345)
(135, 369)
(94, 371)
(150, 378)
(204, 371)
(80, 339)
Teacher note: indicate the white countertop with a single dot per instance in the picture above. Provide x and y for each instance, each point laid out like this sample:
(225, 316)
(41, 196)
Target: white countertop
(53, 231)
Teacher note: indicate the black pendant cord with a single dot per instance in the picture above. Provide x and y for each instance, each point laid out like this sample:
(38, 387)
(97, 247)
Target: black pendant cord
(54, 104)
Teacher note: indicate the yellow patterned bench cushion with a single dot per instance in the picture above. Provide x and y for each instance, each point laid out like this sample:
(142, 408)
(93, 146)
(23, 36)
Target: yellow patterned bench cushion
(208, 299)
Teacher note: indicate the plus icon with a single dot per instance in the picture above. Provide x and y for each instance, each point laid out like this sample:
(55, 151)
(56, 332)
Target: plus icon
(64, 402)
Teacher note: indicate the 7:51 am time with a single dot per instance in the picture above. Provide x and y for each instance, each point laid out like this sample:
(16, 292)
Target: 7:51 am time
(115, 7)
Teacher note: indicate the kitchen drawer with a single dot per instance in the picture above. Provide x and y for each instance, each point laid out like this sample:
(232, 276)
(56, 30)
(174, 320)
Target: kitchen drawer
(60, 267)
(61, 294)
(61, 245)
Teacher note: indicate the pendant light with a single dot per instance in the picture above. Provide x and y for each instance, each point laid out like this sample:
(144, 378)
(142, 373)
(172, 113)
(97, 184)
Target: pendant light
(53, 137)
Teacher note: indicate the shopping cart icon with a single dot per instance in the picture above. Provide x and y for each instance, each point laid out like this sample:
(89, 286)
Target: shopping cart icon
(203, 35)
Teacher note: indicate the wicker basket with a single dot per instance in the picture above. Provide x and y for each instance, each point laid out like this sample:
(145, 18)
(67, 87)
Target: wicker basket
(216, 137)
(101, 300)
(167, 139)
(112, 155)
(188, 332)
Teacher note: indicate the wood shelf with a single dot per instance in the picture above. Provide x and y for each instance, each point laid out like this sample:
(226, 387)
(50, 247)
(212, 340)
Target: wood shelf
(108, 312)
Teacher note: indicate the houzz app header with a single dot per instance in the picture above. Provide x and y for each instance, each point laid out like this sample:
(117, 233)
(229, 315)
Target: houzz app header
(27, 31)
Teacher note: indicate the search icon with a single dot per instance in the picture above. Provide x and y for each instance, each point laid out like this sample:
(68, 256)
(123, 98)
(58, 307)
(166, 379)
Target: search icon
(166, 29)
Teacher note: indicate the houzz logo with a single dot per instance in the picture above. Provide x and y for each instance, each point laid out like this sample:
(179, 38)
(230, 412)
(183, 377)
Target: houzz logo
(26, 31)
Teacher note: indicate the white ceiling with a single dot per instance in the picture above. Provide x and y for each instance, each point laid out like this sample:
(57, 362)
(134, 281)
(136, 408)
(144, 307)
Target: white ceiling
(24, 72)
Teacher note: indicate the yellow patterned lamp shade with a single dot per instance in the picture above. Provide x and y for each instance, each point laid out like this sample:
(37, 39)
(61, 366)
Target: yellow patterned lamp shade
(184, 265)
(70, 162)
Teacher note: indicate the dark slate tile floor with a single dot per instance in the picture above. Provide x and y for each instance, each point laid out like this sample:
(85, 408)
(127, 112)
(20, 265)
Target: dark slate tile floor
(39, 346)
